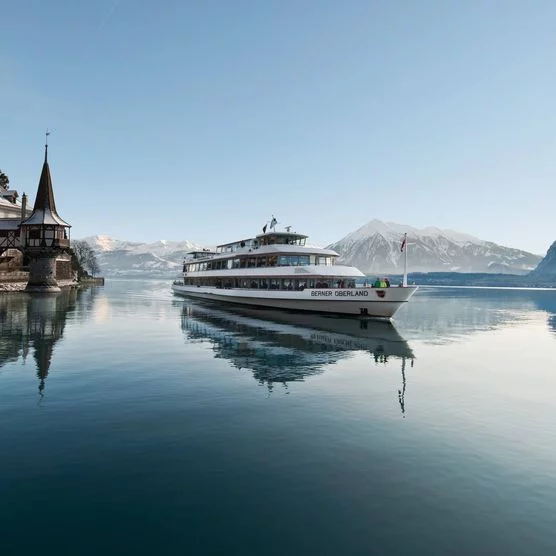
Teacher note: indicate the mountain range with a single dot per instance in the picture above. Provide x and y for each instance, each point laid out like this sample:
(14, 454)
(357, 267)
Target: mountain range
(376, 248)
(148, 260)
(373, 248)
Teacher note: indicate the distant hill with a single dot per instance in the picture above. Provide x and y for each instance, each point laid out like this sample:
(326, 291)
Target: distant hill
(547, 267)
(375, 248)
(477, 279)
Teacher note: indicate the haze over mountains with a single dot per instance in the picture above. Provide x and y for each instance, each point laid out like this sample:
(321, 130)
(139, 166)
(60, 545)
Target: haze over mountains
(374, 248)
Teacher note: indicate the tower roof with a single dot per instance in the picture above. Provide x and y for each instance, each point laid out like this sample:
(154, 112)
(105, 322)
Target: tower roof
(44, 211)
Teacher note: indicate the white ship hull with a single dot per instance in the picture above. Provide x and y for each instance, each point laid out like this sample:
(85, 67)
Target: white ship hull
(367, 302)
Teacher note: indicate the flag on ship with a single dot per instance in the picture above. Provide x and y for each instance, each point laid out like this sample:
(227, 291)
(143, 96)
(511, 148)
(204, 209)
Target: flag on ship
(273, 222)
(403, 243)
(264, 229)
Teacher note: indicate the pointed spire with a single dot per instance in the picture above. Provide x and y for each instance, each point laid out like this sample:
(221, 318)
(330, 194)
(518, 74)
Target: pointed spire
(45, 194)
(44, 210)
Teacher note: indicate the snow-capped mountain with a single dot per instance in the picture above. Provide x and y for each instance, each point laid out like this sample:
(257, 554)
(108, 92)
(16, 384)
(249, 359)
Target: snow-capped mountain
(547, 267)
(376, 248)
(127, 258)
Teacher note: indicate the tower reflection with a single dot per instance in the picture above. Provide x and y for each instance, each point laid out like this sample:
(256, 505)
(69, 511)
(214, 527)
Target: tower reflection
(35, 323)
(282, 347)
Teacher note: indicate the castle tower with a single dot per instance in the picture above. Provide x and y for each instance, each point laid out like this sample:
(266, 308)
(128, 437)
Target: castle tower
(44, 236)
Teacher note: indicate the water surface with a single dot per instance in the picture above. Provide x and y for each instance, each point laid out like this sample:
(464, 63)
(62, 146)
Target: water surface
(137, 422)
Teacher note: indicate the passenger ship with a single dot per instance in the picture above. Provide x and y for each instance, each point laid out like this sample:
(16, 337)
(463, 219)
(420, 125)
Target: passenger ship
(277, 269)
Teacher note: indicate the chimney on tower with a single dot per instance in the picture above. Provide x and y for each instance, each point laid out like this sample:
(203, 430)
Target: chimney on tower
(23, 207)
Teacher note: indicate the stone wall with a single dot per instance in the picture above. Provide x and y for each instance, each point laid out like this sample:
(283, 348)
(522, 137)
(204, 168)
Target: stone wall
(63, 270)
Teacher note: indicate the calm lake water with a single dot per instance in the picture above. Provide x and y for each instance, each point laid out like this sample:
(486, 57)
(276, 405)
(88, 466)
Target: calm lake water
(135, 422)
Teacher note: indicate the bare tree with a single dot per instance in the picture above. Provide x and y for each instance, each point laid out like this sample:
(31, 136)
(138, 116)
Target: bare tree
(85, 258)
(93, 266)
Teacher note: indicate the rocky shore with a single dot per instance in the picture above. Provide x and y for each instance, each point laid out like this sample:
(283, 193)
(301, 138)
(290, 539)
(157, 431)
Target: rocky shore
(8, 287)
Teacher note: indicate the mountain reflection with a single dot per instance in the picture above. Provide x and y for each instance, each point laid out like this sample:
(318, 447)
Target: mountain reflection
(442, 315)
(282, 347)
(546, 301)
(35, 323)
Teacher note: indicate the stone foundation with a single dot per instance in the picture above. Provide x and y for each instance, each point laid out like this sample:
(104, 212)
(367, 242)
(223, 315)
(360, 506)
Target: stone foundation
(42, 274)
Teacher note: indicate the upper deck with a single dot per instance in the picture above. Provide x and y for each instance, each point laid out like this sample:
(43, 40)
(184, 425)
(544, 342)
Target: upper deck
(199, 254)
(260, 247)
(270, 238)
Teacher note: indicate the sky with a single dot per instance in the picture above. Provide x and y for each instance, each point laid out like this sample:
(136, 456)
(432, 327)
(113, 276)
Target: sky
(200, 119)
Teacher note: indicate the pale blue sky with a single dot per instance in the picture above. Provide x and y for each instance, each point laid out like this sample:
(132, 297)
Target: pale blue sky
(199, 119)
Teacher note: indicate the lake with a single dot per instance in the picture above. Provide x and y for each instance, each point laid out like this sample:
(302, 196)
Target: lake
(133, 421)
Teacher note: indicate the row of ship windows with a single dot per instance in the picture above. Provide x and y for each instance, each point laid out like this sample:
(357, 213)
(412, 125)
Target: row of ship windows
(260, 262)
(273, 284)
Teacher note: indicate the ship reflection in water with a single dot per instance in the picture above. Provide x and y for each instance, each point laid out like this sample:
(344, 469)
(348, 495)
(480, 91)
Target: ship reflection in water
(282, 347)
(33, 324)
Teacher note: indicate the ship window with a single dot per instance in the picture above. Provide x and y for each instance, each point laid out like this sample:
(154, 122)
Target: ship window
(303, 260)
(261, 261)
(275, 284)
(230, 263)
(287, 284)
(235, 263)
(272, 260)
(251, 263)
(283, 261)
(242, 263)
(301, 284)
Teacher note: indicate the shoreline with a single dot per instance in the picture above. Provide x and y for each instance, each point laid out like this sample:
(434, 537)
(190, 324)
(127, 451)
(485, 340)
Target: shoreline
(19, 287)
